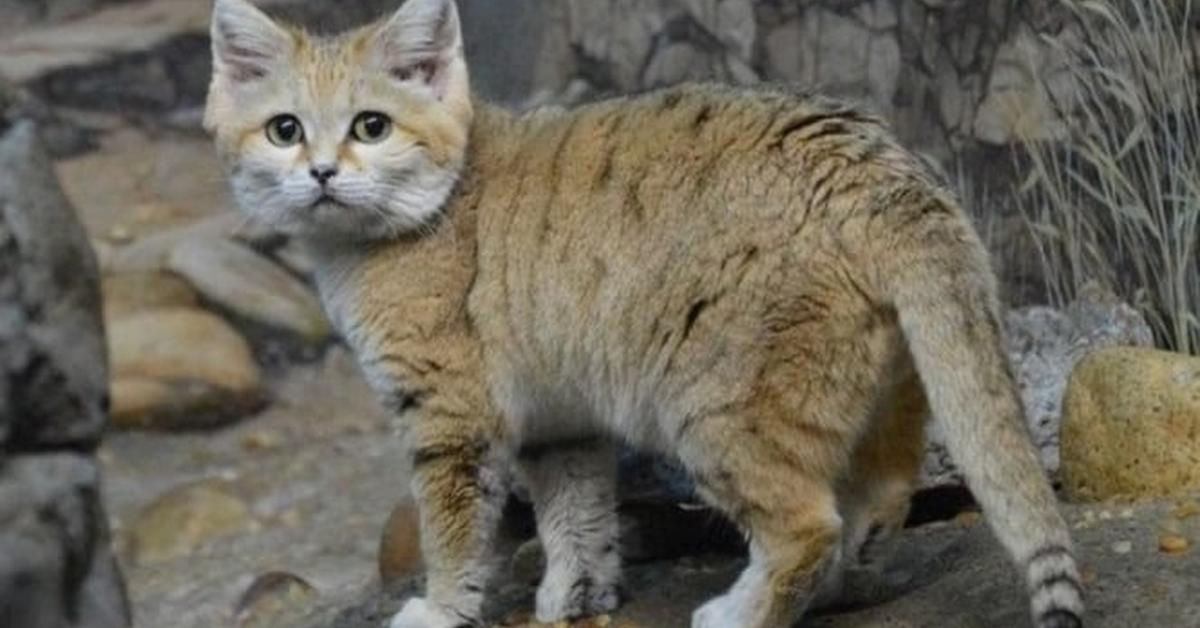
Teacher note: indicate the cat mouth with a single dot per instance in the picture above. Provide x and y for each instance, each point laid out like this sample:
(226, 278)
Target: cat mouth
(326, 199)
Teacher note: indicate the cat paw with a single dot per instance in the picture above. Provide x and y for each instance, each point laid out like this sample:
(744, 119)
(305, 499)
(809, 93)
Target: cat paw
(417, 613)
(721, 612)
(571, 598)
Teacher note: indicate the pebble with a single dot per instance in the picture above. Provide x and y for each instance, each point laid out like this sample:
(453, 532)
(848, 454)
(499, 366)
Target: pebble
(968, 518)
(120, 234)
(183, 519)
(1122, 547)
(400, 544)
(1173, 544)
(1186, 510)
(261, 440)
(272, 598)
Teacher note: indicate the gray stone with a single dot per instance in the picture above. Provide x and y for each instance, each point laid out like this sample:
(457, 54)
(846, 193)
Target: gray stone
(883, 69)
(251, 285)
(731, 22)
(842, 48)
(53, 374)
(56, 568)
(879, 14)
(273, 599)
(787, 57)
(674, 64)
(1027, 77)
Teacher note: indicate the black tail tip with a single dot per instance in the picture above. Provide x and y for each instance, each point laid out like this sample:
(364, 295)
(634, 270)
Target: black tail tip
(1059, 618)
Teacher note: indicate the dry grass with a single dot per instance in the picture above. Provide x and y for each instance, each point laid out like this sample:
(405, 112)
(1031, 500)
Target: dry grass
(1119, 201)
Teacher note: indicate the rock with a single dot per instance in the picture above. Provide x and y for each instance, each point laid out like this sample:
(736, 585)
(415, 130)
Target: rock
(1186, 509)
(879, 14)
(179, 368)
(104, 254)
(645, 477)
(242, 281)
(56, 567)
(528, 563)
(883, 70)
(128, 293)
(844, 59)
(273, 599)
(296, 258)
(675, 63)
(128, 27)
(1173, 544)
(1131, 425)
(52, 358)
(1017, 106)
(400, 544)
(1043, 346)
(786, 54)
(731, 22)
(184, 519)
(151, 252)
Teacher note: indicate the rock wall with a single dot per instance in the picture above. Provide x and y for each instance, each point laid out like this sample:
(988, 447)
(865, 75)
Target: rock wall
(56, 566)
(949, 74)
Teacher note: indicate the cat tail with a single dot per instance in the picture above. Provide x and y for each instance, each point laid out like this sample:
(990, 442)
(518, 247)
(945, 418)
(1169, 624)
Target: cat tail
(945, 296)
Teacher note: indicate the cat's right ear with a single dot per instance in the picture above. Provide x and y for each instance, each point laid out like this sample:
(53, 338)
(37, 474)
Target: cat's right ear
(247, 45)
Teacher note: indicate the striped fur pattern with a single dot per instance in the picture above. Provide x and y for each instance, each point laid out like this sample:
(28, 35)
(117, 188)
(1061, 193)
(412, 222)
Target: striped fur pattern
(760, 283)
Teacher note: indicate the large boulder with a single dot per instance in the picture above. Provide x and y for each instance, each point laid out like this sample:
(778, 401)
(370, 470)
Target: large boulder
(1131, 425)
(56, 565)
(180, 368)
(53, 379)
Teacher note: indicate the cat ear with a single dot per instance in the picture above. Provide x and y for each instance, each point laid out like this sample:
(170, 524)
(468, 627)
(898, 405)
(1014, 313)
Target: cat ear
(247, 45)
(422, 41)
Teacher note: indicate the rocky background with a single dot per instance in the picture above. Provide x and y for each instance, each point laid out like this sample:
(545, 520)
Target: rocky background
(249, 477)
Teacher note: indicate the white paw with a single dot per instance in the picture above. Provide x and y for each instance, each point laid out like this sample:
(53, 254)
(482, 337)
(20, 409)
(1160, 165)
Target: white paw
(721, 612)
(417, 613)
(560, 598)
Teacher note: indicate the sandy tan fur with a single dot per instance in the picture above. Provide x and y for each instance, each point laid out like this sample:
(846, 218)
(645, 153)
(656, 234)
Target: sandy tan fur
(761, 283)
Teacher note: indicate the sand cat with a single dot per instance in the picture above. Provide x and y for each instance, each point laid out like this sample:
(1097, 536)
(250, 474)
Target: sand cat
(762, 284)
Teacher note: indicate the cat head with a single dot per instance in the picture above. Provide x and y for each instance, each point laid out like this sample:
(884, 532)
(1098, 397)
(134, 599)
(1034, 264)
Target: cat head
(360, 135)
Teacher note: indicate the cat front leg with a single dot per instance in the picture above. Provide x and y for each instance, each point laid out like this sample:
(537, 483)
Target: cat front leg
(460, 486)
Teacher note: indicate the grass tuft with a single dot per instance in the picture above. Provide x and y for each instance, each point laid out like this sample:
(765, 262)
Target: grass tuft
(1117, 201)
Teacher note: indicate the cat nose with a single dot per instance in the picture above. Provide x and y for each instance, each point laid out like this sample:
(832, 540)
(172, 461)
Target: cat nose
(323, 173)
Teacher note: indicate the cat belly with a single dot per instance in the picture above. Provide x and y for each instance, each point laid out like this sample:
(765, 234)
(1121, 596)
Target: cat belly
(539, 412)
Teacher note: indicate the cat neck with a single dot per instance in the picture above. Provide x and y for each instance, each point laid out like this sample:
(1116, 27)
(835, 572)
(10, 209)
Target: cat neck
(343, 264)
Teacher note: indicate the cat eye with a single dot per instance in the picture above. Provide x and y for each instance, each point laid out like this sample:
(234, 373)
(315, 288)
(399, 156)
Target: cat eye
(284, 130)
(371, 127)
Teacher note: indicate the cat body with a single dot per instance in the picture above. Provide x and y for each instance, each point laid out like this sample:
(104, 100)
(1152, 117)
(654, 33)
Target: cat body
(761, 284)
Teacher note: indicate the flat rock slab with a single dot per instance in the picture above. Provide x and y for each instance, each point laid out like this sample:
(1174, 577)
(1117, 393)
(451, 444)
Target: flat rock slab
(955, 575)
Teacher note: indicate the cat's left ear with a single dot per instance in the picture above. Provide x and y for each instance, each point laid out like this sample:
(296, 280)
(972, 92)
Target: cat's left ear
(422, 42)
